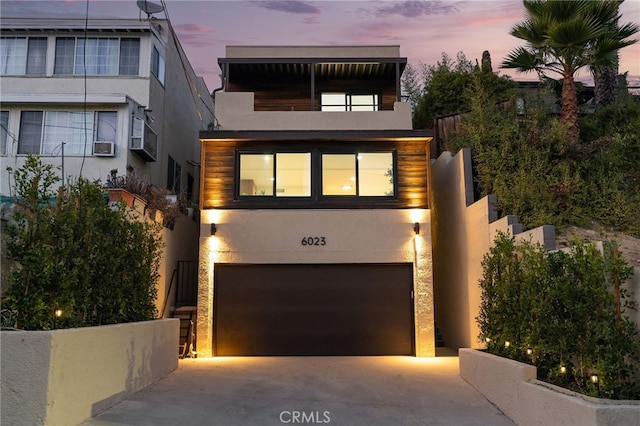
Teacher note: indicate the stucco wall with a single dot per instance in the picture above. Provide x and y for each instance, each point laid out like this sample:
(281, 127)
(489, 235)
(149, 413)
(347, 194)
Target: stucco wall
(235, 111)
(463, 231)
(513, 388)
(63, 377)
(352, 236)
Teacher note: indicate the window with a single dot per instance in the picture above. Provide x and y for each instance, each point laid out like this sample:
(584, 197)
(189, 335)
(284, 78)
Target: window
(289, 174)
(23, 55)
(157, 65)
(280, 174)
(143, 140)
(173, 176)
(97, 56)
(362, 174)
(4, 131)
(44, 132)
(349, 102)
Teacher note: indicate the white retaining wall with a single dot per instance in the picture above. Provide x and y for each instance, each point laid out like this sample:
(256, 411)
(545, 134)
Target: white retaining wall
(513, 388)
(63, 377)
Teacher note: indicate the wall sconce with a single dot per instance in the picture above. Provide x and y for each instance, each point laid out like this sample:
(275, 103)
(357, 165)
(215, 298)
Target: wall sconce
(416, 228)
(213, 229)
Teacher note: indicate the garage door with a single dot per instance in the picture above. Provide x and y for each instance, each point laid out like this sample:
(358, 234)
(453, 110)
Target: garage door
(334, 309)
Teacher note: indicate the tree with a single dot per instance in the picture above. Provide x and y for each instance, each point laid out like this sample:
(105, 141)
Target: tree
(80, 261)
(606, 76)
(445, 87)
(562, 37)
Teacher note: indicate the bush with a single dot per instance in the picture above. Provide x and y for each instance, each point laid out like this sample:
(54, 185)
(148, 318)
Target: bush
(523, 157)
(76, 255)
(564, 313)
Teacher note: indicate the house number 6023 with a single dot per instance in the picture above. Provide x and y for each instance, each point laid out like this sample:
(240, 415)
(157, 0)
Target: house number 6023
(314, 241)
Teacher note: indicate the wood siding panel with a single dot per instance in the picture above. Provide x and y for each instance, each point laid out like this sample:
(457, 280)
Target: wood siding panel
(218, 175)
(285, 95)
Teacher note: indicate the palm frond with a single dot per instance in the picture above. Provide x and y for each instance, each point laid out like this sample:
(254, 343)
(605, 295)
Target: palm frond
(522, 60)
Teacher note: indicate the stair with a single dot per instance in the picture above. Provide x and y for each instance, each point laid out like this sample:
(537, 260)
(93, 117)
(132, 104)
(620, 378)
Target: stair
(187, 340)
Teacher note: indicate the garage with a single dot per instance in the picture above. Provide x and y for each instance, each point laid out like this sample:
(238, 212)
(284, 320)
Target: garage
(317, 309)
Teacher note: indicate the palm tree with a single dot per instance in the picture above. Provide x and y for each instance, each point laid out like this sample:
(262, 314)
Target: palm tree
(563, 37)
(605, 76)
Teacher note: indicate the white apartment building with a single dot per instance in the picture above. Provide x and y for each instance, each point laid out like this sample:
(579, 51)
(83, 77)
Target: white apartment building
(99, 96)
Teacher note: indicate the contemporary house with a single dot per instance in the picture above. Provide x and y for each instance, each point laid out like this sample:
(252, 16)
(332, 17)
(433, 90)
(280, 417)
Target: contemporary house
(315, 207)
(100, 97)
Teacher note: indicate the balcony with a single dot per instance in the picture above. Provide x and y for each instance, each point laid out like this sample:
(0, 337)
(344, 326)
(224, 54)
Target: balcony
(235, 111)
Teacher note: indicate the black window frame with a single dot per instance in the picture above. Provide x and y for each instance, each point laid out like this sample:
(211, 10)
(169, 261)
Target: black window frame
(316, 174)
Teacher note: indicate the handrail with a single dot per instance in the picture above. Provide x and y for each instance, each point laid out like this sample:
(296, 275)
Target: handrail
(164, 305)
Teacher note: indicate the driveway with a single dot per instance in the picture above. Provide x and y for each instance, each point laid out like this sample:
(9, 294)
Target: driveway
(308, 390)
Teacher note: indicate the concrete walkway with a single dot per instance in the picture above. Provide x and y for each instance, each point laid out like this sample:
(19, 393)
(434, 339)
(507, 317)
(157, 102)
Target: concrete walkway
(308, 390)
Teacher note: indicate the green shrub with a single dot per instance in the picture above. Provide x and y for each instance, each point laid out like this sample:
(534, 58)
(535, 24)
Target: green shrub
(559, 309)
(523, 157)
(77, 255)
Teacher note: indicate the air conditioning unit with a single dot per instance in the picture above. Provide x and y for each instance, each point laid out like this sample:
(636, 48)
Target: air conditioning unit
(104, 149)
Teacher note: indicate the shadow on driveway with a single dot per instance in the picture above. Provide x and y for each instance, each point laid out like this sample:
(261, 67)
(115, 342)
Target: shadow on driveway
(308, 390)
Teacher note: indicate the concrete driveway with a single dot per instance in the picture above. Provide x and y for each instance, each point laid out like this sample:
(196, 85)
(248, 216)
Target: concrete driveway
(308, 390)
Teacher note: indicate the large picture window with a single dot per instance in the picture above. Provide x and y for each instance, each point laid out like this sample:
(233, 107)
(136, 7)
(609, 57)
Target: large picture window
(364, 174)
(287, 174)
(97, 56)
(275, 174)
(44, 132)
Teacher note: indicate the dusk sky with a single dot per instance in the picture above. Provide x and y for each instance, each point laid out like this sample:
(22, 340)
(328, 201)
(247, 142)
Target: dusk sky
(423, 29)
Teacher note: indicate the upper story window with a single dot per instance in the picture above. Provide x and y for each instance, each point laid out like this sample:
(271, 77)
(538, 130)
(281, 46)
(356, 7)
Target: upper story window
(157, 65)
(44, 132)
(23, 55)
(97, 56)
(349, 102)
(283, 174)
(288, 174)
(4, 131)
(365, 174)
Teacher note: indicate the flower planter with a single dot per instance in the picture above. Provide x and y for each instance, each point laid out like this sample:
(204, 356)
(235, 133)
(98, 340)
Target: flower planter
(63, 377)
(512, 386)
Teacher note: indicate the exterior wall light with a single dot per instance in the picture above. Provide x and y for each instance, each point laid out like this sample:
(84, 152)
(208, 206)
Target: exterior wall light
(487, 339)
(213, 229)
(416, 228)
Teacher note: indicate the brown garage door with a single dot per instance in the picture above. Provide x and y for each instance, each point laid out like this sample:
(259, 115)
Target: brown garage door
(335, 309)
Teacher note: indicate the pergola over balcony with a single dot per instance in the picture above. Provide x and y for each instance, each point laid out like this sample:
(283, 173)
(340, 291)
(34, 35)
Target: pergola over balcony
(295, 83)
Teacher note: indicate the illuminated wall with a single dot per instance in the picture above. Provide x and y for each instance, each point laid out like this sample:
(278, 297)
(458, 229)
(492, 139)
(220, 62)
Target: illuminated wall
(352, 236)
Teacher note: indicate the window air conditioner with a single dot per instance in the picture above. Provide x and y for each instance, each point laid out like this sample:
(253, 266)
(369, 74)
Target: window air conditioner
(104, 149)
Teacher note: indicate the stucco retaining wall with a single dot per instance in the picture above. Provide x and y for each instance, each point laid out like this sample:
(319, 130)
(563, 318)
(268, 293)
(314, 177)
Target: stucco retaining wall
(63, 377)
(512, 386)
